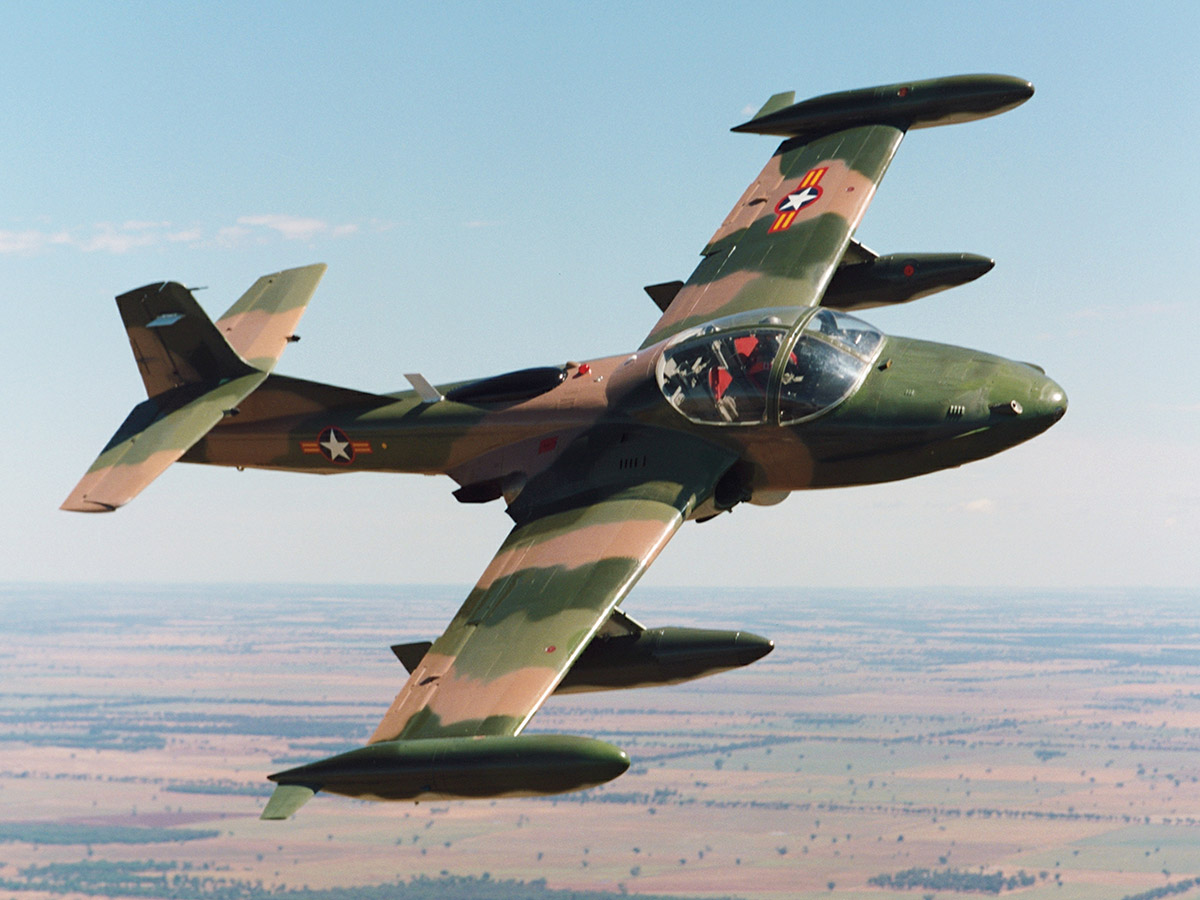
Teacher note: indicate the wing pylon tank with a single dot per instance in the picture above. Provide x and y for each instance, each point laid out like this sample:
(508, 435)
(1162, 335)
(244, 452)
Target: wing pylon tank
(642, 657)
(901, 277)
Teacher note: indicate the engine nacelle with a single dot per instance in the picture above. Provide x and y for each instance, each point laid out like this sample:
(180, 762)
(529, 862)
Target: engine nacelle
(899, 278)
(642, 657)
(659, 656)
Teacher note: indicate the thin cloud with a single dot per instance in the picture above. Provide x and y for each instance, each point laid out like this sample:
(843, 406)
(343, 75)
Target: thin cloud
(30, 241)
(292, 228)
(116, 239)
(231, 235)
(135, 234)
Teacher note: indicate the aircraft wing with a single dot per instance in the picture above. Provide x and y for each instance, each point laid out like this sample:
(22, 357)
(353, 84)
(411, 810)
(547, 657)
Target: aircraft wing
(779, 247)
(586, 531)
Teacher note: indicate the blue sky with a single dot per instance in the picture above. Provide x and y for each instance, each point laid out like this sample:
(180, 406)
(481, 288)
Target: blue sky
(491, 185)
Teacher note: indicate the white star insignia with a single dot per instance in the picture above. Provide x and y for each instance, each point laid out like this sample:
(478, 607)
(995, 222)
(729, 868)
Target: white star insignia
(799, 199)
(336, 448)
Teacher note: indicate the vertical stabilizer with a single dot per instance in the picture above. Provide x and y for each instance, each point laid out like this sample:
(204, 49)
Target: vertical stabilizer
(173, 340)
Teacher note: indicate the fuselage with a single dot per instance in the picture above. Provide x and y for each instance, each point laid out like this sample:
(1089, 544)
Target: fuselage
(886, 408)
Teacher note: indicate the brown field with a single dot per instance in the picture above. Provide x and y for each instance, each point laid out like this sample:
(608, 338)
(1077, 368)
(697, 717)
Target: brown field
(1057, 733)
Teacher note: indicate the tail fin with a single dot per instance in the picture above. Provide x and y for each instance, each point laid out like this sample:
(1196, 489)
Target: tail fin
(174, 342)
(194, 376)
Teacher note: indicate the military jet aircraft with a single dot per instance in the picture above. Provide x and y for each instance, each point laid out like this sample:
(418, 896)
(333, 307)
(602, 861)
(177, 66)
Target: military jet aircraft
(756, 381)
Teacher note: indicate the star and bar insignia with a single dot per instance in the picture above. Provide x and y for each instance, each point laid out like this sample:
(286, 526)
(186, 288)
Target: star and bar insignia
(333, 444)
(804, 195)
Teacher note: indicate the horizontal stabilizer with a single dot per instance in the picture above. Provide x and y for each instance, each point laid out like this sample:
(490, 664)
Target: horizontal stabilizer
(157, 433)
(196, 373)
(263, 321)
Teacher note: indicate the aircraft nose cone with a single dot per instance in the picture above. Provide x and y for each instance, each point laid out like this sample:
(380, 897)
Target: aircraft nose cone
(1027, 397)
(1012, 89)
(1053, 400)
(977, 265)
(1047, 401)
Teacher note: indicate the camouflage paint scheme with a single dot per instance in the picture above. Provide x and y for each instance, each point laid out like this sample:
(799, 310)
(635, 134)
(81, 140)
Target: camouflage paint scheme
(600, 462)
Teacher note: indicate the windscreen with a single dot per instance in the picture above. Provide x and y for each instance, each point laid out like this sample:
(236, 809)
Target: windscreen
(826, 364)
(723, 375)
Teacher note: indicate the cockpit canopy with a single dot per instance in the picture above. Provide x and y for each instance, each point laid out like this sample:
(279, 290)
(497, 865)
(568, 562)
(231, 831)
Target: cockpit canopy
(737, 373)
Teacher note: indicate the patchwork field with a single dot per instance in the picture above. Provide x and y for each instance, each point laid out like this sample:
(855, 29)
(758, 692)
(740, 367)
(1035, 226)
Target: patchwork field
(911, 743)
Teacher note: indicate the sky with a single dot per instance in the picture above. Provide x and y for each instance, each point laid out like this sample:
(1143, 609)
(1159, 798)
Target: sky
(491, 186)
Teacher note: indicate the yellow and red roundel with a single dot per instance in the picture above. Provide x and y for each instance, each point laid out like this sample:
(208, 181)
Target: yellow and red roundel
(333, 444)
(802, 196)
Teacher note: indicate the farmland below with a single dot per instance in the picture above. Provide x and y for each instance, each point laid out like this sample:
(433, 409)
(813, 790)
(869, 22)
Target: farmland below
(911, 743)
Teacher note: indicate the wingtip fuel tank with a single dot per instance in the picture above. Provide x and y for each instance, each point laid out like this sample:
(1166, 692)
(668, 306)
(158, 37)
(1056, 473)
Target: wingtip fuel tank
(907, 105)
(457, 768)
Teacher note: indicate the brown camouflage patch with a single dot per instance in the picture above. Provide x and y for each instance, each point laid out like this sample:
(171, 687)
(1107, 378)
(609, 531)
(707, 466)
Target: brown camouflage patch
(582, 546)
